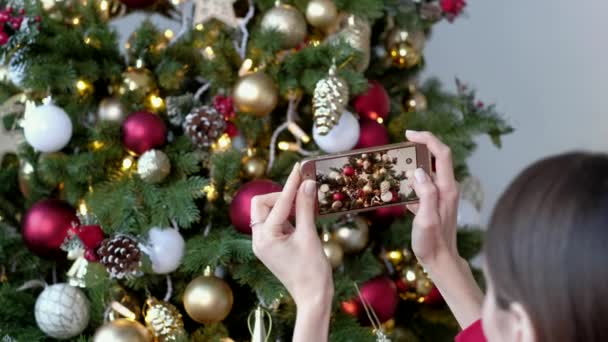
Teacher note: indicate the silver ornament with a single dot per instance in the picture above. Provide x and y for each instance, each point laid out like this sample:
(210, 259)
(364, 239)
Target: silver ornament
(62, 311)
(153, 166)
(111, 109)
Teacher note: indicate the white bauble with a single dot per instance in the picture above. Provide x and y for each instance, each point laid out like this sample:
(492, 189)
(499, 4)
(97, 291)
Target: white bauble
(62, 311)
(47, 128)
(166, 249)
(342, 137)
(468, 215)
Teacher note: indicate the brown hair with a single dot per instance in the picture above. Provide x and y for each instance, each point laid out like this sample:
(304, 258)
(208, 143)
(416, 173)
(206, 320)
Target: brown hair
(547, 247)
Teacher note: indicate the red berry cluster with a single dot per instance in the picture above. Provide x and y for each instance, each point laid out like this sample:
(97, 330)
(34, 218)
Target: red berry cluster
(225, 105)
(10, 22)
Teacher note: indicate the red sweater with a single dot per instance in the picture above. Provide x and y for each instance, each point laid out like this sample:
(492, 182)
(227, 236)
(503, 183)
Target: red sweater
(474, 333)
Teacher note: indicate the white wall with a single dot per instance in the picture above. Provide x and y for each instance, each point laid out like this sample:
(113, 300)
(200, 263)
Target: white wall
(544, 63)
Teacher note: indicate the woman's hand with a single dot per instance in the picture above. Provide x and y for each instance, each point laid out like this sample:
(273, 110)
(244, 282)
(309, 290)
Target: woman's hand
(434, 233)
(434, 227)
(295, 255)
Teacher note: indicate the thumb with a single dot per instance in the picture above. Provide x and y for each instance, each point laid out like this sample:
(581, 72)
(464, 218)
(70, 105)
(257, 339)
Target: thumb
(306, 201)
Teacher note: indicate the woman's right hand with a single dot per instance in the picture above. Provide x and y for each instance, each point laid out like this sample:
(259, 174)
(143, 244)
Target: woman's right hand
(434, 227)
(434, 233)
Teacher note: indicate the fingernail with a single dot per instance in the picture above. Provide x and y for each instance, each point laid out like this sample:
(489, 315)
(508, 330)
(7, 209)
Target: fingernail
(420, 175)
(310, 187)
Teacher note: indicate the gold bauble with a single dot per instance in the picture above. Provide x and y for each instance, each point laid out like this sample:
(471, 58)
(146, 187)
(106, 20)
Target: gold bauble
(256, 94)
(399, 35)
(118, 294)
(108, 9)
(254, 167)
(111, 109)
(353, 238)
(208, 299)
(287, 20)
(423, 285)
(356, 31)
(334, 253)
(137, 81)
(321, 13)
(404, 55)
(164, 320)
(122, 330)
(415, 102)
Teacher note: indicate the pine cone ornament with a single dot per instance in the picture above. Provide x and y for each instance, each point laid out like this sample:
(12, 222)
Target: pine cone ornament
(121, 256)
(204, 125)
(164, 320)
(329, 101)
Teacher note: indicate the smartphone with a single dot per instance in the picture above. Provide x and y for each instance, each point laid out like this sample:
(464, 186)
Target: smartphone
(366, 179)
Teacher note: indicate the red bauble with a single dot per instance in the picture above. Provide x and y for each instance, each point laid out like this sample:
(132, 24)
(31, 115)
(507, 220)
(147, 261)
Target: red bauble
(372, 134)
(91, 236)
(45, 227)
(3, 38)
(383, 217)
(138, 3)
(348, 171)
(374, 103)
(143, 131)
(231, 129)
(339, 196)
(381, 294)
(240, 208)
(434, 297)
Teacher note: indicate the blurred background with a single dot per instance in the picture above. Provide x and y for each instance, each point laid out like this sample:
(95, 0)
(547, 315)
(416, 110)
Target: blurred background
(543, 63)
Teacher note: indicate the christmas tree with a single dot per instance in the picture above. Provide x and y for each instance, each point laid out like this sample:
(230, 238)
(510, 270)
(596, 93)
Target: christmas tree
(128, 197)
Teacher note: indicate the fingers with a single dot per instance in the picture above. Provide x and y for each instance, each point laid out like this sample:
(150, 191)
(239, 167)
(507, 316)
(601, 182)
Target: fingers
(305, 207)
(442, 153)
(428, 207)
(282, 208)
(261, 206)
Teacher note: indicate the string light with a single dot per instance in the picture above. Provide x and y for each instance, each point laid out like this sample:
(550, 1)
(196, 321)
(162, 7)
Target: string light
(82, 208)
(123, 310)
(168, 34)
(298, 132)
(139, 63)
(208, 53)
(245, 67)
(380, 120)
(287, 146)
(410, 275)
(222, 144)
(76, 21)
(127, 163)
(199, 27)
(156, 102)
(96, 145)
(104, 5)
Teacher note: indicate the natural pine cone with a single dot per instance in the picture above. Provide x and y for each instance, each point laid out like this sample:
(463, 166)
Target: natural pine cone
(204, 125)
(121, 256)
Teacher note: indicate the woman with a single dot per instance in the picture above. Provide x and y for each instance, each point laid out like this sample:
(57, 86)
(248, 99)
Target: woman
(545, 251)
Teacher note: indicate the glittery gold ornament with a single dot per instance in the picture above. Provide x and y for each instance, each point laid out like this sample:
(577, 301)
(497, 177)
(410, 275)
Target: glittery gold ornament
(287, 20)
(138, 82)
(208, 299)
(256, 94)
(356, 31)
(111, 109)
(25, 177)
(334, 253)
(153, 166)
(211, 193)
(414, 100)
(404, 55)
(321, 13)
(122, 330)
(399, 35)
(164, 320)
(329, 101)
(353, 237)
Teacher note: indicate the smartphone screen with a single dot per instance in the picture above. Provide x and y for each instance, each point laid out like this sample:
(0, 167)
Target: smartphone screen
(368, 179)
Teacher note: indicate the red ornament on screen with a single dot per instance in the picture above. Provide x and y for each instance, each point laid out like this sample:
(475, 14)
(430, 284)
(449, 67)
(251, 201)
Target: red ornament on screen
(348, 171)
(374, 104)
(372, 134)
(240, 208)
(45, 227)
(339, 196)
(143, 131)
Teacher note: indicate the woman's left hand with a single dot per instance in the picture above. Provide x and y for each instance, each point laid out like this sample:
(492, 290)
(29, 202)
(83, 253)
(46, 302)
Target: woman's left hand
(293, 254)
